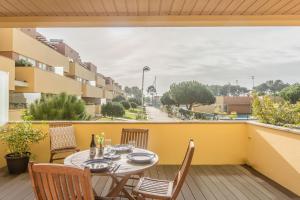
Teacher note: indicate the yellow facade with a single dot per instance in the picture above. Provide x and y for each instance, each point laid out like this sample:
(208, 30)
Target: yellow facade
(16, 41)
(79, 71)
(40, 81)
(8, 65)
(91, 91)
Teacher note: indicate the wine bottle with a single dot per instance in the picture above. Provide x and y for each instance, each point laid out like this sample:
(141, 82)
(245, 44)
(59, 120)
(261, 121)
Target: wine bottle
(93, 147)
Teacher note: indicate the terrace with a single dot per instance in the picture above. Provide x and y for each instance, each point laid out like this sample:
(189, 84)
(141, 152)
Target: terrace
(233, 160)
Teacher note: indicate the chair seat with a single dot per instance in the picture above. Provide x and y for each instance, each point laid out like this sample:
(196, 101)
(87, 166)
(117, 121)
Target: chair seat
(153, 188)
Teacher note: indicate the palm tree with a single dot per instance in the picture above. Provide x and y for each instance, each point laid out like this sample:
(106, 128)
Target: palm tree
(152, 91)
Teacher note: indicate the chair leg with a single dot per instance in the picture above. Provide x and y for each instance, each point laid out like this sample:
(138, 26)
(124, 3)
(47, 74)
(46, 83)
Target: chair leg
(51, 157)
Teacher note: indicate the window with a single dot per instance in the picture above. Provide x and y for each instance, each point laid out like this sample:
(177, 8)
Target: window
(29, 60)
(42, 66)
(93, 83)
(59, 70)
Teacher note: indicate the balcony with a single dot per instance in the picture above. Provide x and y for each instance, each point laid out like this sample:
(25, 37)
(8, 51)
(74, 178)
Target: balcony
(40, 81)
(108, 94)
(233, 160)
(91, 91)
(76, 70)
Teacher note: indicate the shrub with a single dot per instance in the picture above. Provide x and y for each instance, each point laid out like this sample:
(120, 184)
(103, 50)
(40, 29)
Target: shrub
(119, 98)
(186, 113)
(126, 105)
(282, 113)
(57, 107)
(141, 116)
(113, 110)
(133, 105)
(135, 100)
(22, 63)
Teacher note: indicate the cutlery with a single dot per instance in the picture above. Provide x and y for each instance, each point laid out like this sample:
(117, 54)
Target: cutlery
(116, 168)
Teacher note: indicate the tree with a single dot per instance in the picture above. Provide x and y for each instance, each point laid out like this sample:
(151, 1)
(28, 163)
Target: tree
(191, 92)
(133, 105)
(133, 92)
(271, 87)
(136, 101)
(215, 89)
(152, 91)
(167, 100)
(227, 90)
(126, 104)
(291, 93)
(58, 107)
(113, 110)
(119, 98)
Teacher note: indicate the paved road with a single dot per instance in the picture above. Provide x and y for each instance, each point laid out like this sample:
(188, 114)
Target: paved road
(154, 114)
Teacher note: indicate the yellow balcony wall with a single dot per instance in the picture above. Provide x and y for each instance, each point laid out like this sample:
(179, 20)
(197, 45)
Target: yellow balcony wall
(12, 39)
(275, 152)
(40, 81)
(91, 91)
(8, 65)
(79, 71)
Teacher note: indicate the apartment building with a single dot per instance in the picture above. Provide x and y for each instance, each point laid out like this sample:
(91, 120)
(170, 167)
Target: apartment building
(37, 66)
(113, 88)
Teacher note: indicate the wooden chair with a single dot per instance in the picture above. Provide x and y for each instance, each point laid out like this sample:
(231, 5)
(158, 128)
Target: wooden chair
(163, 189)
(56, 181)
(53, 153)
(140, 136)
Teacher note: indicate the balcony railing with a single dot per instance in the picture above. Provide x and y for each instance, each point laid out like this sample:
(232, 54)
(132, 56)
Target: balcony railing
(91, 91)
(40, 81)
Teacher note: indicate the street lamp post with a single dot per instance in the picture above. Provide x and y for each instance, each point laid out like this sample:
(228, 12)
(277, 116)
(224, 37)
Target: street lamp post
(145, 69)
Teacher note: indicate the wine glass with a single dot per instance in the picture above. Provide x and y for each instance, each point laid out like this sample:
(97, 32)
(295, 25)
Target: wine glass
(107, 145)
(131, 143)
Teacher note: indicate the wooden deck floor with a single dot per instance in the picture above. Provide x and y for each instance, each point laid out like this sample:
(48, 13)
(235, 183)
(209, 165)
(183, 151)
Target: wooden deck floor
(203, 183)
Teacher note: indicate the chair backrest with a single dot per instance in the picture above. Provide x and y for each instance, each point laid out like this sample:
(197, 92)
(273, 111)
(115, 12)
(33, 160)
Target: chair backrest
(66, 136)
(140, 136)
(183, 171)
(56, 181)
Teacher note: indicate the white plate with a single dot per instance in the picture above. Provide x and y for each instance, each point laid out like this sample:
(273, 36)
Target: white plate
(141, 157)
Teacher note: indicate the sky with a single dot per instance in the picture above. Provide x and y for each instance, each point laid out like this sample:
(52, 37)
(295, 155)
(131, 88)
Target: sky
(210, 55)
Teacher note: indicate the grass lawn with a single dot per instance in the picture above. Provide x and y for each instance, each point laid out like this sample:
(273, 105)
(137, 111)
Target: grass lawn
(130, 115)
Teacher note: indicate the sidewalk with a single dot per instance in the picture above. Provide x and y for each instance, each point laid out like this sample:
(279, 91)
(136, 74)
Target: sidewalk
(154, 114)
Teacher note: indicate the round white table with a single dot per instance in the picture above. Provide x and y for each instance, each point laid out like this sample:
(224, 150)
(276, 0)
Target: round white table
(120, 175)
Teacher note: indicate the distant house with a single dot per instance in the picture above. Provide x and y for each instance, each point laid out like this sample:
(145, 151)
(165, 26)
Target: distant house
(228, 104)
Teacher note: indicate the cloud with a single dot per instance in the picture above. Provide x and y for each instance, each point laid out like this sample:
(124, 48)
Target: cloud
(215, 55)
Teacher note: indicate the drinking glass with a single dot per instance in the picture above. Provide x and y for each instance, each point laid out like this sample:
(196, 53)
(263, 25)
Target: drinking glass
(131, 143)
(107, 145)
